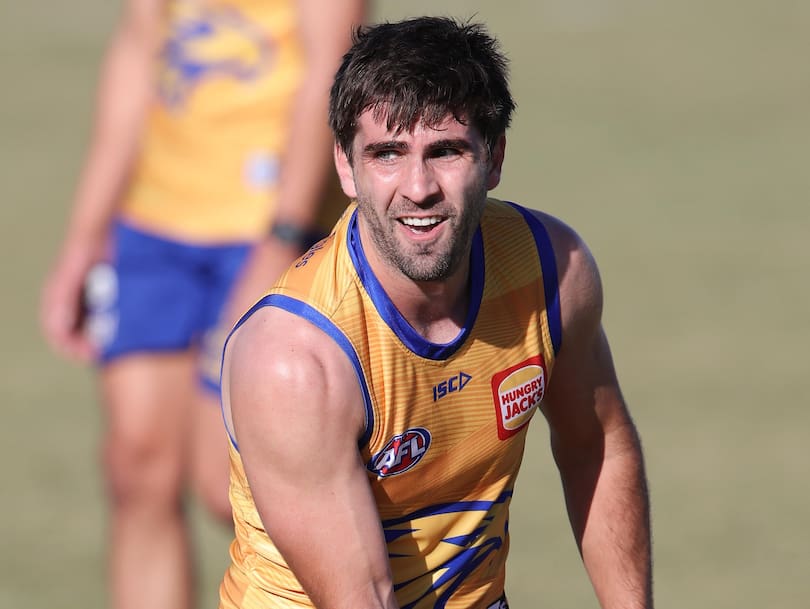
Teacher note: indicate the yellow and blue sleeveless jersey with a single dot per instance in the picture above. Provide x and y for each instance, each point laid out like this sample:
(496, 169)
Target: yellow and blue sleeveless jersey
(227, 74)
(445, 423)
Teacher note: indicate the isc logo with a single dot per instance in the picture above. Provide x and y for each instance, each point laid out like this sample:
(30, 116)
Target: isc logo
(401, 453)
(451, 385)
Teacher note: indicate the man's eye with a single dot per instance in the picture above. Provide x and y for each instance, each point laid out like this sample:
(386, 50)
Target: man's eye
(387, 155)
(441, 153)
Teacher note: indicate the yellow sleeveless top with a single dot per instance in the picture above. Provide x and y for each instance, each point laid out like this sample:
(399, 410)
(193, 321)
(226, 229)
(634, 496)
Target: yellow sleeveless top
(446, 423)
(227, 74)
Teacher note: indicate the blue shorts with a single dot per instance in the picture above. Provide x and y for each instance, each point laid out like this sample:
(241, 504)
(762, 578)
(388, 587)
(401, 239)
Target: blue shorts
(159, 295)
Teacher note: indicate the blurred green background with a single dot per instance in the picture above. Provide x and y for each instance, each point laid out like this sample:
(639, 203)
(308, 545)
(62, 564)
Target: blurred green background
(674, 136)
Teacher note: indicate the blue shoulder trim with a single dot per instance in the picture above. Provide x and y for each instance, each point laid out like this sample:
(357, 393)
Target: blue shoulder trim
(300, 308)
(548, 264)
(391, 315)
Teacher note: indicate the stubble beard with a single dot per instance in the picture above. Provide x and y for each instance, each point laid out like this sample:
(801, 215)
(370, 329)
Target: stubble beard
(434, 261)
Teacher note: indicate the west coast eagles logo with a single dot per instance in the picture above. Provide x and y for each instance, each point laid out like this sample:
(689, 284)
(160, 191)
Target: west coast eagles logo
(517, 391)
(206, 43)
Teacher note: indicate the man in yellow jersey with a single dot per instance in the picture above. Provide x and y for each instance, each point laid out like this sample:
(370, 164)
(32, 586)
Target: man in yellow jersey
(209, 164)
(378, 397)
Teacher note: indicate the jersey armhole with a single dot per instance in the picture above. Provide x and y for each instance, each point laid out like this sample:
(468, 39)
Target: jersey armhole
(548, 265)
(315, 317)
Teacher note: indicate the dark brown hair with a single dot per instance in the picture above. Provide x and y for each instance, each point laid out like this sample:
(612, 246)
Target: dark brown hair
(420, 70)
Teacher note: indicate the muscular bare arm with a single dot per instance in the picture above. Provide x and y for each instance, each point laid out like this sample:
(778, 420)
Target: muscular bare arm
(123, 93)
(594, 441)
(297, 414)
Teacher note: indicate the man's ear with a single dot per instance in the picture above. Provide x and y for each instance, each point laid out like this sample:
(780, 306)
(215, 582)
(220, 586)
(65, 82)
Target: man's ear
(344, 171)
(496, 157)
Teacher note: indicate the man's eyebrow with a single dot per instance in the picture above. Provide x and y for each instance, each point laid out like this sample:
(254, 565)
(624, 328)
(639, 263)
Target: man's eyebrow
(460, 143)
(375, 147)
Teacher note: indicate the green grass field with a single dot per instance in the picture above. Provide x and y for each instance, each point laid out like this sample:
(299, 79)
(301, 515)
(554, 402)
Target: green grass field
(673, 136)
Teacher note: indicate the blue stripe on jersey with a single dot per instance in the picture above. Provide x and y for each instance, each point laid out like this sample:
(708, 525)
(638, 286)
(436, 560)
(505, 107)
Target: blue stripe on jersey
(459, 568)
(305, 311)
(394, 319)
(453, 572)
(548, 264)
(448, 508)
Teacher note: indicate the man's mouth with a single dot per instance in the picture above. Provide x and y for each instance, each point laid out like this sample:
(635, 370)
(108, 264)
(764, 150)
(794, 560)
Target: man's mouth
(421, 224)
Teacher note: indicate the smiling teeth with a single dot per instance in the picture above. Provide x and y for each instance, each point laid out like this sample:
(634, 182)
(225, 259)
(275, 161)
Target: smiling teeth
(421, 221)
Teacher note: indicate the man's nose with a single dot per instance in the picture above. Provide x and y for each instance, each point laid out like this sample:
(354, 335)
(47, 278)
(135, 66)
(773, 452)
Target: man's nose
(420, 184)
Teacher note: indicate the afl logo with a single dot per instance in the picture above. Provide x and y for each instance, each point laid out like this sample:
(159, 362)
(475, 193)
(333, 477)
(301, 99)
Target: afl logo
(517, 391)
(401, 453)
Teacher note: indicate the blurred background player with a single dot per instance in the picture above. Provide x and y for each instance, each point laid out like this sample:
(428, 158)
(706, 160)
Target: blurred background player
(208, 172)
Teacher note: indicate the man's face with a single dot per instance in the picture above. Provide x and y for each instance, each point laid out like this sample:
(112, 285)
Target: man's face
(420, 194)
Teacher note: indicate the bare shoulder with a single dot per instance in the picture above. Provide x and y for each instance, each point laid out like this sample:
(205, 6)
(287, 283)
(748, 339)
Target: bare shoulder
(145, 13)
(580, 285)
(280, 368)
(583, 398)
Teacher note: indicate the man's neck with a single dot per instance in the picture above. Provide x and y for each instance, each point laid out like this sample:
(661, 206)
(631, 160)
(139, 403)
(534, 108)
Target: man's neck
(437, 310)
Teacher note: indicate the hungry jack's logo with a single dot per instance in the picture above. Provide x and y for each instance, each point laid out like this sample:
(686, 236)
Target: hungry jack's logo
(517, 391)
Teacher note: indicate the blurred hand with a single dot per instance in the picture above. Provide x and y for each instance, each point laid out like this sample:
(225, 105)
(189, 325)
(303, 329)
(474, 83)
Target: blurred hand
(62, 311)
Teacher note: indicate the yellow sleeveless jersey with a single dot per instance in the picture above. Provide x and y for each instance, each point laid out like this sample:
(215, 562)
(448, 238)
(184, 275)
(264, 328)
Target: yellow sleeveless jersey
(227, 74)
(446, 423)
